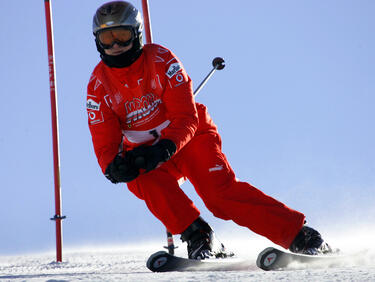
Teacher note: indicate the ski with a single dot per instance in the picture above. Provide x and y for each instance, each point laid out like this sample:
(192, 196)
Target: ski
(275, 259)
(269, 259)
(164, 262)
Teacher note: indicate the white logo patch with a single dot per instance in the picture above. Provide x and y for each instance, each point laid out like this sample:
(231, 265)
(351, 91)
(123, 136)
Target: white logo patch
(92, 105)
(173, 69)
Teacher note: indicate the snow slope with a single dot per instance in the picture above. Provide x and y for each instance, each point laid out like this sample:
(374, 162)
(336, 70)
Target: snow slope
(124, 263)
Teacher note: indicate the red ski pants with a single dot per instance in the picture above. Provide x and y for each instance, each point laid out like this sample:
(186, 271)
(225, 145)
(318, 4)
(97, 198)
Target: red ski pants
(203, 163)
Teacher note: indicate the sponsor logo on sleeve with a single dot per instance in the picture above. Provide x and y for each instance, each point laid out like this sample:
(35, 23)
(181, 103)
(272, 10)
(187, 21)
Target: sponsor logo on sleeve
(94, 113)
(92, 105)
(95, 117)
(173, 69)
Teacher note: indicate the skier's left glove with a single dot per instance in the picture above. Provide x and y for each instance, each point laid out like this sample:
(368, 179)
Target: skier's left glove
(120, 170)
(149, 157)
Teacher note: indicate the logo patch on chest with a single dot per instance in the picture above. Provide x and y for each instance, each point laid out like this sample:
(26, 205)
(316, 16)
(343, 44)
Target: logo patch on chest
(139, 108)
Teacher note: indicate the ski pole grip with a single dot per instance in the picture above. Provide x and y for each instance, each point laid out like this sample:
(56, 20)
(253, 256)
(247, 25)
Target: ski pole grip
(218, 63)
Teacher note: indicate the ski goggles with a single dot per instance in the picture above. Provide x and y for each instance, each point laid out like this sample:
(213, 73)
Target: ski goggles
(121, 35)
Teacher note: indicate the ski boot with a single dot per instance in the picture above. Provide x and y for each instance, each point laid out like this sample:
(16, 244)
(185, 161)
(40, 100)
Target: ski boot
(309, 242)
(201, 242)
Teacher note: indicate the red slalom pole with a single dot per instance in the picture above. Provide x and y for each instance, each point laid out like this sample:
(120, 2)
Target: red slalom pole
(55, 135)
(147, 22)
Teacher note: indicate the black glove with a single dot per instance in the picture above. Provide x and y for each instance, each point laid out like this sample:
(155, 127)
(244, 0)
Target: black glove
(148, 157)
(121, 170)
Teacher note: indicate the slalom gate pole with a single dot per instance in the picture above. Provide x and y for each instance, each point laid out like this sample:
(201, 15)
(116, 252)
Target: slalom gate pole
(148, 33)
(55, 135)
(147, 21)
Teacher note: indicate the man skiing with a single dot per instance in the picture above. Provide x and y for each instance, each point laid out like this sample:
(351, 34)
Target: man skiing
(148, 132)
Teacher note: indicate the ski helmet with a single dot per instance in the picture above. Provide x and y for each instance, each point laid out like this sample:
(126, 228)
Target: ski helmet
(119, 14)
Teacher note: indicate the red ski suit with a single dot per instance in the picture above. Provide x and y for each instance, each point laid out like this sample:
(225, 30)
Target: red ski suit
(153, 99)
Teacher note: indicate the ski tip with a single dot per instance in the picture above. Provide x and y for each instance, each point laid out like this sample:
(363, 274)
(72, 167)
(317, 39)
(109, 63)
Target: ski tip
(268, 258)
(157, 261)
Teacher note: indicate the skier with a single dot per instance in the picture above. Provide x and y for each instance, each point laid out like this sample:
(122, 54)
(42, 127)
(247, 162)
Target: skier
(148, 132)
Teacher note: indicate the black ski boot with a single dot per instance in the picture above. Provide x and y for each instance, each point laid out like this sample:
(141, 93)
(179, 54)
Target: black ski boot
(198, 236)
(309, 242)
(200, 241)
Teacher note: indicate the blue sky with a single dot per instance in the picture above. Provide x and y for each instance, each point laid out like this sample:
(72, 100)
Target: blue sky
(294, 105)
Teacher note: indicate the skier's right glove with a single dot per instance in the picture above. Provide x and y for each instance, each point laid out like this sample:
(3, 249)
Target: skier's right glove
(120, 170)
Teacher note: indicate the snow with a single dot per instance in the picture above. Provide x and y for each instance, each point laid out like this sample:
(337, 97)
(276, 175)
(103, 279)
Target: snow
(128, 263)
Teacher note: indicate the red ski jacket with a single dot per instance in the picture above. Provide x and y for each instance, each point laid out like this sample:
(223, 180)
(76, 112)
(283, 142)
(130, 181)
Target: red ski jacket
(151, 99)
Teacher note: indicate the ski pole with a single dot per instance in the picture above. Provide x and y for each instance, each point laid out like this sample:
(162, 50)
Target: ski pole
(218, 64)
(170, 244)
